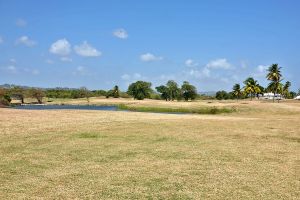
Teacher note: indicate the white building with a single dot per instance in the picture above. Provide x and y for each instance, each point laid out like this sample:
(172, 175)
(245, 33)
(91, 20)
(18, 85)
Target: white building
(271, 96)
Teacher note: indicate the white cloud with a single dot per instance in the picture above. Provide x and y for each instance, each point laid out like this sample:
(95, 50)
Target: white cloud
(219, 64)
(260, 71)
(206, 72)
(1, 40)
(262, 68)
(132, 78)
(120, 33)
(125, 77)
(167, 77)
(31, 71)
(86, 50)
(61, 47)
(10, 69)
(66, 59)
(190, 63)
(21, 23)
(81, 70)
(148, 57)
(25, 40)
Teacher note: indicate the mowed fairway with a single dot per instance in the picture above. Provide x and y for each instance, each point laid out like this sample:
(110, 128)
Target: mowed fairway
(68, 154)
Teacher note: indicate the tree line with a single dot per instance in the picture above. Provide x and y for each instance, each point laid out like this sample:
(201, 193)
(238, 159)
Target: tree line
(169, 92)
(253, 89)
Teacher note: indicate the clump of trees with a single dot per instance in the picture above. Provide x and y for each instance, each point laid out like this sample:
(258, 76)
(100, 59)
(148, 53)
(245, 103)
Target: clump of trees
(115, 92)
(188, 91)
(37, 94)
(253, 89)
(223, 95)
(171, 91)
(140, 90)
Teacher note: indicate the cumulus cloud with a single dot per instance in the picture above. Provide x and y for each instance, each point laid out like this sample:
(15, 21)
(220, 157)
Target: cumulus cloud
(61, 47)
(148, 57)
(190, 63)
(86, 50)
(66, 59)
(25, 40)
(120, 33)
(21, 23)
(219, 64)
(205, 72)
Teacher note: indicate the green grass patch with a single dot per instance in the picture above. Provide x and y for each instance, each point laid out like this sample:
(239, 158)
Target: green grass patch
(204, 110)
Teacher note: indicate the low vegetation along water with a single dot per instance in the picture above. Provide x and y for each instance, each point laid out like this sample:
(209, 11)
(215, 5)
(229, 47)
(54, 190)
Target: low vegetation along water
(122, 107)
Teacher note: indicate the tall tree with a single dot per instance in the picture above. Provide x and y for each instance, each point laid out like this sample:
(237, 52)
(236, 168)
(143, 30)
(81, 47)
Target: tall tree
(286, 89)
(140, 90)
(85, 93)
(164, 92)
(274, 75)
(188, 91)
(237, 91)
(173, 89)
(36, 93)
(251, 87)
(18, 92)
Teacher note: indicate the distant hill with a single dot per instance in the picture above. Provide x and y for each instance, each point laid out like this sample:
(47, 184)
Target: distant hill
(9, 86)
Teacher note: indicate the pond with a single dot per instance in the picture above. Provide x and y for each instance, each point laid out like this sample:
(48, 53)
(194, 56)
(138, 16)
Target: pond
(66, 107)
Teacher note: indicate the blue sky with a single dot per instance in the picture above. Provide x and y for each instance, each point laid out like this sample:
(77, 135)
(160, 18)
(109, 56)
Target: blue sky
(98, 44)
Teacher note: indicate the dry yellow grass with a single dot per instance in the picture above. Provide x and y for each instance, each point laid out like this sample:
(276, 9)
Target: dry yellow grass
(69, 154)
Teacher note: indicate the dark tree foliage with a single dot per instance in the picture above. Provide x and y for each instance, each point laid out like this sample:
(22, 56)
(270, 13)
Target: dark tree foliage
(222, 95)
(140, 90)
(188, 91)
(164, 92)
(4, 97)
(115, 92)
(173, 90)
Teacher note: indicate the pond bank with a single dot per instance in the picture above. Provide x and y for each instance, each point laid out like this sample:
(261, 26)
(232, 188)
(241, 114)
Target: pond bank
(123, 107)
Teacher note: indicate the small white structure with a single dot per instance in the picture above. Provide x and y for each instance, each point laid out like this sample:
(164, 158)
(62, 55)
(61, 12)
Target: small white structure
(271, 96)
(297, 97)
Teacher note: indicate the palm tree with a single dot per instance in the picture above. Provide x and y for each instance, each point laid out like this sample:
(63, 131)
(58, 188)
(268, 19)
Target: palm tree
(274, 75)
(237, 91)
(251, 87)
(286, 88)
